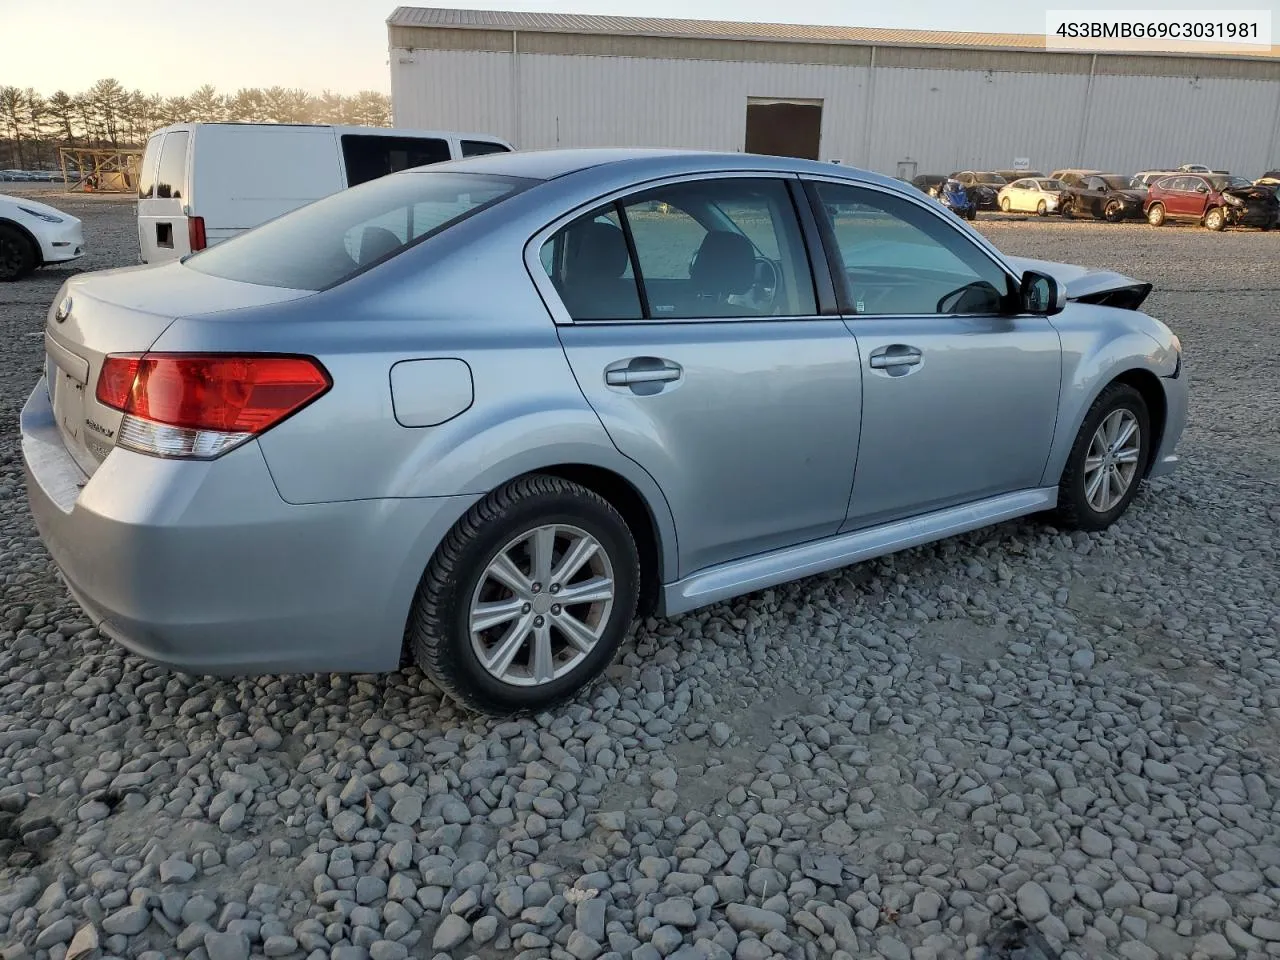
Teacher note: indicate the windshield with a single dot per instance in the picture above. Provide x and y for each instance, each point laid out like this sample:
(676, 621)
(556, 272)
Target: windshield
(1115, 183)
(988, 178)
(326, 242)
(1051, 185)
(1222, 183)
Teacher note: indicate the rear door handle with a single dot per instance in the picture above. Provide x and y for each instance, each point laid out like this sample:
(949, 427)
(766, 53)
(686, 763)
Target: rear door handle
(895, 356)
(638, 371)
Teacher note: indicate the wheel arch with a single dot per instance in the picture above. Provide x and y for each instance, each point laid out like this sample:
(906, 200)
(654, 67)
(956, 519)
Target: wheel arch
(31, 237)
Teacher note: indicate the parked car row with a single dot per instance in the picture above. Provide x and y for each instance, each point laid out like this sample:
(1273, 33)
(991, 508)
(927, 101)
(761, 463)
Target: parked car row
(20, 176)
(1214, 198)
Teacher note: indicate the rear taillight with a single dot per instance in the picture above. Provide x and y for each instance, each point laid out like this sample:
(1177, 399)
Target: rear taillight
(195, 233)
(202, 405)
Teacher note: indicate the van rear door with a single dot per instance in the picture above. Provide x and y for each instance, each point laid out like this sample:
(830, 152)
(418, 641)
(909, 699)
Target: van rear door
(162, 196)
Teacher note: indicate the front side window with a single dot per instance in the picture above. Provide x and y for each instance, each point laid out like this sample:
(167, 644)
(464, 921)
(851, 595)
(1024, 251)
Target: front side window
(325, 242)
(899, 258)
(708, 249)
(171, 175)
(480, 148)
(369, 156)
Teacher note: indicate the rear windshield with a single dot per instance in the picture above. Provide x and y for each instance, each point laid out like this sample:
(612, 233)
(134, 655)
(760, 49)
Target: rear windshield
(481, 148)
(988, 178)
(326, 242)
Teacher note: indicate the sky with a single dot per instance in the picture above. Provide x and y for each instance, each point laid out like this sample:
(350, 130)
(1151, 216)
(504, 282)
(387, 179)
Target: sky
(341, 45)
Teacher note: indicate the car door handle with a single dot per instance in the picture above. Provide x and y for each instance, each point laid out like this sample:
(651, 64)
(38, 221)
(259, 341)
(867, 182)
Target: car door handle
(664, 372)
(895, 356)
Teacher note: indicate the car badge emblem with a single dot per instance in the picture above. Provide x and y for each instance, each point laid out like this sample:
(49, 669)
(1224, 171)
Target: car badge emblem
(64, 310)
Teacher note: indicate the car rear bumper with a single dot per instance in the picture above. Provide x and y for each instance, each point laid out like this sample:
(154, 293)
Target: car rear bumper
(1166, 459)
(201, 565)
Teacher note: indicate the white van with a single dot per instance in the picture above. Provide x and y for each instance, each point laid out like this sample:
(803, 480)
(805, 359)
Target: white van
(201, 183)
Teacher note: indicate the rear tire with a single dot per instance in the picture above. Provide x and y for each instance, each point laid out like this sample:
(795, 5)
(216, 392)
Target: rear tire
(1215, 219)
(551, 653)
(18, 255)
(1105, 465)
(1155, 215)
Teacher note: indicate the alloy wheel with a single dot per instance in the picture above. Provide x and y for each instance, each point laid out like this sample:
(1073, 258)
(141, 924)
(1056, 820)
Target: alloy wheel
(1112, 461)
(541, 605)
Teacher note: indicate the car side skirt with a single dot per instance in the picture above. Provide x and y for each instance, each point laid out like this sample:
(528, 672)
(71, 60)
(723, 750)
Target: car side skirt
(791, 563)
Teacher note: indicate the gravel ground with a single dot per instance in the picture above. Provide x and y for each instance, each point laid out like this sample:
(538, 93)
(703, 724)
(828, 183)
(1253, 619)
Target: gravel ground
(893, 760)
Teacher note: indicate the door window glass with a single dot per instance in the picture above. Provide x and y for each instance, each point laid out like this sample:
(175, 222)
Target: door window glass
(150, 161)
(590, 267)
(902, 259)
(479, 148)
(721, 248)
(171, 176)
(369, 156)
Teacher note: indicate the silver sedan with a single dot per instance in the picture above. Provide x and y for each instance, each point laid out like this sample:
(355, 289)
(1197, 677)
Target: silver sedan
(484, 412)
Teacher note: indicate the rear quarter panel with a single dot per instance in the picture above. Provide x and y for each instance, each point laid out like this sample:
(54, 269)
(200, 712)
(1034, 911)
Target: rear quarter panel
(1100, 344)
(475, 304)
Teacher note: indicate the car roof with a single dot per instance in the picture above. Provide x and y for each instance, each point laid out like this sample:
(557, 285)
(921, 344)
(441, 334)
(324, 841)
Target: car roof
(654, 162)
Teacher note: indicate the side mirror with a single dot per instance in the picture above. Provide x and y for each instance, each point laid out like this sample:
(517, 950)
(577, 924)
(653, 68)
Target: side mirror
(1202, 189)
(1041, 294)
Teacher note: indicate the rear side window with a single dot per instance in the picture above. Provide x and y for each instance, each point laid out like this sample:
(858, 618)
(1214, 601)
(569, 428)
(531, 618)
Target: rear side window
(171, 176)
(147, 176)
(330, 240)
(478, 148)
(368, 157)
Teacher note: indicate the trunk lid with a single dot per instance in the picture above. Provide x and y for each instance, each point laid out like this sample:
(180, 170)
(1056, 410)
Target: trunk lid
(122, 311)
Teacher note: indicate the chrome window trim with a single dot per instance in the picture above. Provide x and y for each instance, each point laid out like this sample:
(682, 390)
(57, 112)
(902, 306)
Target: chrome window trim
(551, 298)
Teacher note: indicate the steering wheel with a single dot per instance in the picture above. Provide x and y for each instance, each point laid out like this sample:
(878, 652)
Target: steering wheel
(766, 287)
(950, 302)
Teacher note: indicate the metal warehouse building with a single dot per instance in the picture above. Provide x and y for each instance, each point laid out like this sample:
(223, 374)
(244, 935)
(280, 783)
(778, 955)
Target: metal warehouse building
(898, 101)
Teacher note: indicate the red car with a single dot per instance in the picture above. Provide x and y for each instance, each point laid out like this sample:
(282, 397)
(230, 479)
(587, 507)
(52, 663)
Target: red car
(1215, 200)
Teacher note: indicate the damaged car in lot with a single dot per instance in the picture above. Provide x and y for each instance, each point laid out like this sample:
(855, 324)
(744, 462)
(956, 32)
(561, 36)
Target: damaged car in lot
(983, 188)
(480, 414)
(1212, 200)
(1104, 196)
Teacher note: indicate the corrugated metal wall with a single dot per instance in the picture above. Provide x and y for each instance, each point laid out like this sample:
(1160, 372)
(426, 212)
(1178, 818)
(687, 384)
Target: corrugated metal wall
(942, 119)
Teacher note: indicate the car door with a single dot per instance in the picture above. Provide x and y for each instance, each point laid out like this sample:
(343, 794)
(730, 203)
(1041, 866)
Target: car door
(959, 394)
(1180, 197)
(696, 337)
(1198, 195)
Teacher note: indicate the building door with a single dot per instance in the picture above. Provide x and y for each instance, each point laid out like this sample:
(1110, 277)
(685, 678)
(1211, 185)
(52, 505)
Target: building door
(906, 170)
(784, 128)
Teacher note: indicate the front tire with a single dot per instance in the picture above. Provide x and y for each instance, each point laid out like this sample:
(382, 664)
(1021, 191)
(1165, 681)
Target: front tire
(1107, 460)
(18, 255)
(1155, 215)
(527, 598)
(1215, 220)
(1113, 212)
(1042, 209)
(1004, 205)
(1068, 211)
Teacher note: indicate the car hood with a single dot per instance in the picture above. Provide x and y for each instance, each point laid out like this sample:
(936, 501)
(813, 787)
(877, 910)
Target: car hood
(1254, 192)
(8, 200)
(1087, 285)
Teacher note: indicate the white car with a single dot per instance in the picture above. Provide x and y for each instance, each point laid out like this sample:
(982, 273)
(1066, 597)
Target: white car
(34, 234)
(1032, 194)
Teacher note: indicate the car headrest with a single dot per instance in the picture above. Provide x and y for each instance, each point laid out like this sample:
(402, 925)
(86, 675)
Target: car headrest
(597, 251)
(725, 264)
(377, 242)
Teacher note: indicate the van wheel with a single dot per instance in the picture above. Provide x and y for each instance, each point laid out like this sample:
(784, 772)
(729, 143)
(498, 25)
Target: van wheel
(18, 255)
(1215, 219)
(1155, 215)
(528, 597)
(1107, 460)
(1042, 209)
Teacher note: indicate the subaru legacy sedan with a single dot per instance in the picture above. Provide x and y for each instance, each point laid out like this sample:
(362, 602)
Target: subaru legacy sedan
(479, 414)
